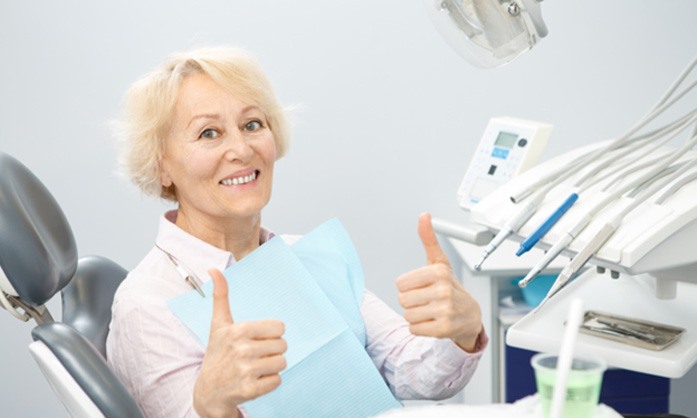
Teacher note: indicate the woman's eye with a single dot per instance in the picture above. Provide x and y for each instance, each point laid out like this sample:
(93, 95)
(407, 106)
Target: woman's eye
(253, 125)
(209, 134)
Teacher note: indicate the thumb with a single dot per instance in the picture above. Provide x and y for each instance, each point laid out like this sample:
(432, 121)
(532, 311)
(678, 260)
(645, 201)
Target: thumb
(434, 254)
(221, 304)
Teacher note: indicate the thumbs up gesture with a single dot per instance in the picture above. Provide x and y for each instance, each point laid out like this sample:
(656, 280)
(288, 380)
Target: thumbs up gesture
(242, 361)
(435, 303)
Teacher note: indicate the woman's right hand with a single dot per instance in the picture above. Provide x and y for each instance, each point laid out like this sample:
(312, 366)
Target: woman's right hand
(242, 361)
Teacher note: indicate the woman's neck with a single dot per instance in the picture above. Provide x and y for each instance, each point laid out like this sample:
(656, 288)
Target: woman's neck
(240, 236)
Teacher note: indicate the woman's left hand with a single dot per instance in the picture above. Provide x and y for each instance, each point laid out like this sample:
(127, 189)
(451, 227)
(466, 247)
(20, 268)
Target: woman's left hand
(435, 303)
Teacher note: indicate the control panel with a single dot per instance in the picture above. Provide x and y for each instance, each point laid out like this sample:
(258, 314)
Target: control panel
(508, 147)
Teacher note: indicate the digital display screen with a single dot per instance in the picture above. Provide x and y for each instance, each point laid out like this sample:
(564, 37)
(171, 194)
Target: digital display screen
(506, 139)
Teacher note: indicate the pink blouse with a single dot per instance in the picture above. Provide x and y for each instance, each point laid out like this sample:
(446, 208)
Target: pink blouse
(158, 358)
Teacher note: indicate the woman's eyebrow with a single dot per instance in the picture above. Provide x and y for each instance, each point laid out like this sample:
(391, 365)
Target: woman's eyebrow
(246, 109)
(202, 116)
(251, 108)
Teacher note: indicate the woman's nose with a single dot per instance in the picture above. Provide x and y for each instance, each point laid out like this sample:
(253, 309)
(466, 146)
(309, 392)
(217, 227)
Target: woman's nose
(237, 147)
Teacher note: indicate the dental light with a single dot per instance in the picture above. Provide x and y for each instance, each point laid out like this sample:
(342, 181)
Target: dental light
(488, 33)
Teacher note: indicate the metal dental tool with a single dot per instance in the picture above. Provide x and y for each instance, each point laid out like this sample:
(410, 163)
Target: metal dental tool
(190, 278)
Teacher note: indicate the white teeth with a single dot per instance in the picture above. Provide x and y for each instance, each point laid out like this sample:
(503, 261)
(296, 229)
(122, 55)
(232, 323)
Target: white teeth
(240, 180)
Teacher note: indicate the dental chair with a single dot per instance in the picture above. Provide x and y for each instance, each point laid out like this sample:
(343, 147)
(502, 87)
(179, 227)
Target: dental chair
(38, 259)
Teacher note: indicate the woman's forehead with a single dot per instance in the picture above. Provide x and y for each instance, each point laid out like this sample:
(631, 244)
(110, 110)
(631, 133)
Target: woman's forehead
(201, 94)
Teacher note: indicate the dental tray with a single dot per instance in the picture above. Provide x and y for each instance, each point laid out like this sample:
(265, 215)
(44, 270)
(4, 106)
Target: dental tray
(643, 334)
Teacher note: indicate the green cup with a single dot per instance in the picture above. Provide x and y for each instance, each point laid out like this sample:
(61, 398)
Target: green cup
(582, 384)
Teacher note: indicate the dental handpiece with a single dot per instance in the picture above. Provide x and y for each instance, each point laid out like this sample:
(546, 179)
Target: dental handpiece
(513, 224)
(581, 259)
(493, 245)
(541, 230)
(556, 249)
(591, 248)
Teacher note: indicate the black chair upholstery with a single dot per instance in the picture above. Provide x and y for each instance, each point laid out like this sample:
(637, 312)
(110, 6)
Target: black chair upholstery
(87, 367)
(37, 249)
(38, 259)
(87, 299)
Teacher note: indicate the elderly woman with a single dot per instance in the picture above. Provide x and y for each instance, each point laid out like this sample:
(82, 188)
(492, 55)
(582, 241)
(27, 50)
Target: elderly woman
(204, 131)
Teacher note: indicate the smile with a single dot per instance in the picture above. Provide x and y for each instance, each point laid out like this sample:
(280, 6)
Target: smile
(239, 180)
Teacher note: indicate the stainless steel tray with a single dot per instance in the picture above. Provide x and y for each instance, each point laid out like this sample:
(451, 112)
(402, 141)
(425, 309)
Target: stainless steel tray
(638, 333)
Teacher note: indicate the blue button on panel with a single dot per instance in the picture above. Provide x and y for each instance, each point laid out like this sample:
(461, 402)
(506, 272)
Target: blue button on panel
(500, 153)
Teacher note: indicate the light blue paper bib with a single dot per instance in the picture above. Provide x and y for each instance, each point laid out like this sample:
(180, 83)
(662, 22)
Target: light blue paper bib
(315, 287)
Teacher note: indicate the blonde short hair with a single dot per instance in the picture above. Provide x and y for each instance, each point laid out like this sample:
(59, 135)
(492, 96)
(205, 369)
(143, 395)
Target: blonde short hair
(149, 104)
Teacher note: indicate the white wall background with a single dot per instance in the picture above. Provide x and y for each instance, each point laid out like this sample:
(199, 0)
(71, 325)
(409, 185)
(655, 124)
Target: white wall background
(388, 116)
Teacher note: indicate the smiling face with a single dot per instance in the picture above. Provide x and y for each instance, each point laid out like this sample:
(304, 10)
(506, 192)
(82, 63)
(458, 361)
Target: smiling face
(219, 155)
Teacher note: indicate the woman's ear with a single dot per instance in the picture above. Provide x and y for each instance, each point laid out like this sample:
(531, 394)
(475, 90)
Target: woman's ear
(165, 179)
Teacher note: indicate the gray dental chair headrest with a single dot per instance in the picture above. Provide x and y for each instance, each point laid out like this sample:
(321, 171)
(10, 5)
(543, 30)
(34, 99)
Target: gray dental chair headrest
(38, 255)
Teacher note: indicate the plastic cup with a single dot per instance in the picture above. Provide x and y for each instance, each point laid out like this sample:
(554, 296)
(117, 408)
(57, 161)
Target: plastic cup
(582, 385)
